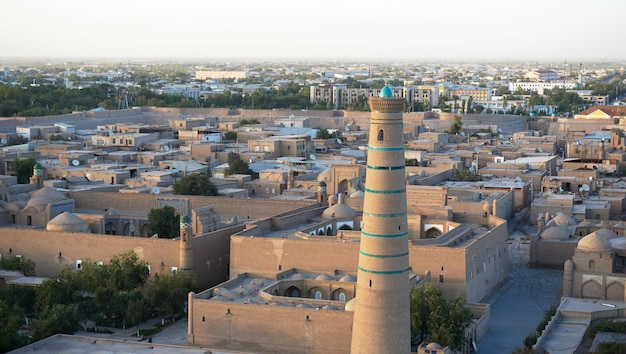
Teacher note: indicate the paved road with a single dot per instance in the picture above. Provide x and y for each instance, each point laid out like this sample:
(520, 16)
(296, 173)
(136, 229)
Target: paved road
(519, 305)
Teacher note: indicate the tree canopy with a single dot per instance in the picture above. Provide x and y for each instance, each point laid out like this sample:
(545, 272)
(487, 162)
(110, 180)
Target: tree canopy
(164, 221)
(195, 184)
(436, 319)
(24, 169)
(239, 166)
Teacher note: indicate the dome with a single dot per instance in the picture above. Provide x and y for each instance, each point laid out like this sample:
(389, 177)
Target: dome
(68, 222)
(339, 210)
(597, 241)
(556, 233)
(533, 114)
(618, 243)
(357, 194)
(386, 92)
(561, 220)
(350, 305)
(555, 114)
(325, 175)
(44, 196)
(347, 278)
(324, 277)
(433, 345)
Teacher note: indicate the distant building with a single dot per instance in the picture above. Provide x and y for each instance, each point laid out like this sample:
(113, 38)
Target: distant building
(216, 74)
(541, 75)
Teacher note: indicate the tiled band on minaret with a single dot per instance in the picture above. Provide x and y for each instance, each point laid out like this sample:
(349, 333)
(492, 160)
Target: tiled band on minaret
(381, 314)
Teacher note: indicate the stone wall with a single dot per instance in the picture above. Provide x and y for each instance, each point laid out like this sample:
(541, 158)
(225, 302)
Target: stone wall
(268, 329)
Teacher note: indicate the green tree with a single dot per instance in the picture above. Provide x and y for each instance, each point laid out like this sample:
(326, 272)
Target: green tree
(137, 311)
(24, 169)
(195, 184)
(168, 293)
(20, 264)
(239, 166)
(12, 318)
(127, 272)
(164, 221)
(57, 319)
(456, 125)
(442, 321)
(230, 135)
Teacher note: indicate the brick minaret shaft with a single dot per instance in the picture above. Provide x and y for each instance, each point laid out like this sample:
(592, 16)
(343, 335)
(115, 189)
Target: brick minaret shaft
(381, 314)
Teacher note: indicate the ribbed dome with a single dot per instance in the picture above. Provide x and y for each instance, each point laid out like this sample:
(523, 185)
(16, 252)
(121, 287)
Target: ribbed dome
(556, 233)
(597, 241)
(386, 92)
(347, 278)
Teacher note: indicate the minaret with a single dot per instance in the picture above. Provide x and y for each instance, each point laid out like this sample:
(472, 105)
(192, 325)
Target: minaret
(381, 313)
(322, 194)
(37, 177)
(186, 245)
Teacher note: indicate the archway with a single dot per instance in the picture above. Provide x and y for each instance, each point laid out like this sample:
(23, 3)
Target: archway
(432, 233)
(615, 291)
(592, 290)
(109, 228)
(292, 291)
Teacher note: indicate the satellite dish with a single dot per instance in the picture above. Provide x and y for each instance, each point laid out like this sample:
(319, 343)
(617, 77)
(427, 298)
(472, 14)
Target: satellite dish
(88, 176)
(472, 169)
(539, 149)
(462, 133)
(499, 130)
(207, 125)
(3, 141)
(75, 162)
(560, 189)
(312, 157)
(590, 178)
(518, 179)
(166, 148)
(339, 141)
(155, 190)
(580, 189)
(292, 116)
(501, 136)
(346, 129)
(585, 187)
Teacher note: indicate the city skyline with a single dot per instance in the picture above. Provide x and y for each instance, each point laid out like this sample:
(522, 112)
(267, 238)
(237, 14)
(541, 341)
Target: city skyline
(452, 30)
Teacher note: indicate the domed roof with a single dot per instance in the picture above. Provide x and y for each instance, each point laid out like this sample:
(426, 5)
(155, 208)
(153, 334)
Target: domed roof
(350, 305)
(556, 233)
(433, 345)
(618, 243)
(325, 175)
(339, 210)
(324, 277)
(597, 241)
(66, 218)
(347, 277)
(37, 166)
(357, 194)
(44, 196)
(561, 220)
(555, 114)
(386, 92)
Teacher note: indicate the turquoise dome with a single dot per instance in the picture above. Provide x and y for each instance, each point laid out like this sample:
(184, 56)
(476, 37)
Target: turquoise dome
(555, 114)
(533, 114)
(386, 92)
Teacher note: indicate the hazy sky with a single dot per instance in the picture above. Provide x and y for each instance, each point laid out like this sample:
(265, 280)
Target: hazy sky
(314, 29)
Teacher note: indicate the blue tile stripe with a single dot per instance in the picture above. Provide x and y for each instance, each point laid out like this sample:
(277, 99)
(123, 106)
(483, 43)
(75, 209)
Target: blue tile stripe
(393, 215)
(384, 272)
(386, 191)
(384, 255)
(385, 235)
(386, 168)
(382, 148)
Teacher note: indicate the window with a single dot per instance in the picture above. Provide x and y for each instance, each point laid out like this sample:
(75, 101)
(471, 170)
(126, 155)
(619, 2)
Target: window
(318, 295)
(441, 278)
(29, 220)
(381, 135)
(78, 263)
(342, 297)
